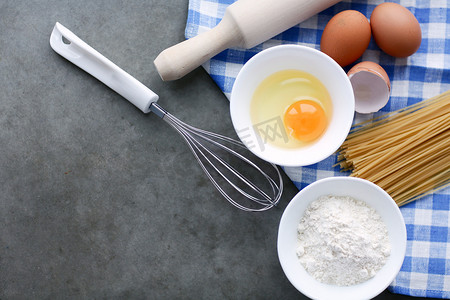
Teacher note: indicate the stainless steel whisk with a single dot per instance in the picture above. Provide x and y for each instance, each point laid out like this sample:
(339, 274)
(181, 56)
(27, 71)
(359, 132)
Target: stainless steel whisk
(222, 172)
(197, 138)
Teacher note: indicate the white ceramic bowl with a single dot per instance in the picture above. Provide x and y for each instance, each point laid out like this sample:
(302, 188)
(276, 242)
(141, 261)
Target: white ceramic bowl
(359, 189)
(305, 59)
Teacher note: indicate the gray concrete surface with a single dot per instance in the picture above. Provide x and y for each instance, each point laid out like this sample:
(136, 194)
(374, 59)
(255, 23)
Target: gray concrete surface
(99, 201)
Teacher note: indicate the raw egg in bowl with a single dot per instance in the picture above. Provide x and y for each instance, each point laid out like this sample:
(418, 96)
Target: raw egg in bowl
(292, 105)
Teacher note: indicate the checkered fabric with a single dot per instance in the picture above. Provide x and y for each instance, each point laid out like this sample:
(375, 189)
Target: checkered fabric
(426, 268)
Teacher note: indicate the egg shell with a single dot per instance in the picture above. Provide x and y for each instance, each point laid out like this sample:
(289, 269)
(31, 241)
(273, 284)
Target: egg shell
(371, 86)
(395, 29)
(346, 36)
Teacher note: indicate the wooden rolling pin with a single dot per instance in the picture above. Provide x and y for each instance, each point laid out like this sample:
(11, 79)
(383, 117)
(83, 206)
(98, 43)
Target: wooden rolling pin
(246, 23)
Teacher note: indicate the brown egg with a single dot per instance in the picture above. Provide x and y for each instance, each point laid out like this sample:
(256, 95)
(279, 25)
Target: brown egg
(346, 37)
(395, 29)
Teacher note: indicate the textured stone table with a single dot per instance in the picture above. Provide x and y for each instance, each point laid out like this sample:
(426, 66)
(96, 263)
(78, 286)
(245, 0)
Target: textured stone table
(99, 201)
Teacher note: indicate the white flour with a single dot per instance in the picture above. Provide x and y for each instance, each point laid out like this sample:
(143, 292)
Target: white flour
(342, 241)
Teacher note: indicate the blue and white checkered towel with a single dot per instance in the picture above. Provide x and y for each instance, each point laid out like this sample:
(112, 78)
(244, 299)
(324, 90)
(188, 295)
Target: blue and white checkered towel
(426, 268)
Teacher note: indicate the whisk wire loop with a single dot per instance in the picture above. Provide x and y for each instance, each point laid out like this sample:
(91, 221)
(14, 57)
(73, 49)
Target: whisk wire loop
(196, 139)
(205, 137)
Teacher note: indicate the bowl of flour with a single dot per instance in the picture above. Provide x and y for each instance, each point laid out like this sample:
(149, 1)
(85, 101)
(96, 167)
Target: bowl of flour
(341, 238)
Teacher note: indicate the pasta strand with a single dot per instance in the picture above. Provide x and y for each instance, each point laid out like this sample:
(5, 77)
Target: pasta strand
(406, 152)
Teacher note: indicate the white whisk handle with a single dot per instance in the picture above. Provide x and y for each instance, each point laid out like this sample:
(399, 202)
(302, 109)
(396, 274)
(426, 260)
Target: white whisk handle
(71, 47)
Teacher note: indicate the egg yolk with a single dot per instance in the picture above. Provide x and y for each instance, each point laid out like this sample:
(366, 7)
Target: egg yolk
(305, 120)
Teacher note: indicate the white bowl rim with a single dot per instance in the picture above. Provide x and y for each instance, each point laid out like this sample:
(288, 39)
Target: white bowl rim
(395, 266)
(286, 158)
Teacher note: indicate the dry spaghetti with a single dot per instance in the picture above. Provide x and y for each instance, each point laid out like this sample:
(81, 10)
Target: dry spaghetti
(405, 152)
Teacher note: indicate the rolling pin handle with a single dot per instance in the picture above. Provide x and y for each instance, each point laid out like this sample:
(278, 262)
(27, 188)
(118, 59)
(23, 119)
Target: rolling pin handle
(180, 59)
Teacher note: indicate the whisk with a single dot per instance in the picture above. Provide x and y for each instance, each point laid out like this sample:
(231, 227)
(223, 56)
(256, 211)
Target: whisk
(224, 160)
